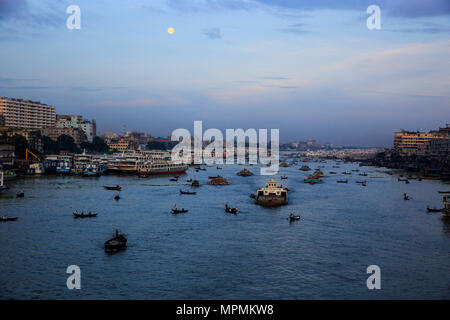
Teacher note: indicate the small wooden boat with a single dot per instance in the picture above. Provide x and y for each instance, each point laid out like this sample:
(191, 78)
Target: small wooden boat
(187, 192)
(119, 242)
(21, 194)
(116, 188)
(231, 210)
(406, 197)
(346, 172)
(77, 215)
(283, 177)
(342, 181)
(6, 219)
(433, 209)
(293, 217)
(189, 180)
(363, 174)
(443, 191)
(177, 211)
(219, 168)
(174, 179)
(195, 183)
(214, 177)
(364, 184)
(332, 172)
(407, 181)
(117, 197)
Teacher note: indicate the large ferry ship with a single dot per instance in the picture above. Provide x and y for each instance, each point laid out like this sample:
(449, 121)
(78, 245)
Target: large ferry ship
(64, 164)
(159, 167)
(132, 162)
(272, 195)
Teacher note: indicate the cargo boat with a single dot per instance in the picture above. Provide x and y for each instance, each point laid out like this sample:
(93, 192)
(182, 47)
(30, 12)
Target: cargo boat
(272, 195)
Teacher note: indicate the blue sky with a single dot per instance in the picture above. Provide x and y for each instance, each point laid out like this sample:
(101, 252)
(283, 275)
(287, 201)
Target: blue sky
(310, 68)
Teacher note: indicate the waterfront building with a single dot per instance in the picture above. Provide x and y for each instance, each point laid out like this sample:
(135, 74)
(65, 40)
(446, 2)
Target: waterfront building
(33, 136)
(120, 145)
(418, 143)
(26, 114)
(6, 151)
(77, 122)
(78, 134)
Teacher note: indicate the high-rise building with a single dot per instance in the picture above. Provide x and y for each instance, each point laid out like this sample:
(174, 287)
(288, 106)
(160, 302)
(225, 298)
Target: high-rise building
(77, 122)
(26, 114)
(408, 143)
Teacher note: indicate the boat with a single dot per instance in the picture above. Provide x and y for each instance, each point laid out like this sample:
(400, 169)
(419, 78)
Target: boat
(342, 181)
(84, 215)
(117, 197)
(116, 188)
(80, 162)
(36, 169)
(433, 209)
(446, 209)
(21, 194)
(318, 173)
(6, 219)
(174, 179)
(284, 165)
(312, 180)
(406, 197)
(284, 177)
(271, 195)
(305, 168)
(161, 167)
(175, 210)
(332, 172)
(118, 243)
(195, 183)
(364, 184)
(253, 196)
(219, 181)
(363, 174)
(2, 186)
(293, 217)
(444, 192)
(245, 173)
(214, 177)
(218, 168)
(199, 168)
(64, 164)
(231, 210)
(346, 172)
(187, 192)
(94, 169)
(189, 180)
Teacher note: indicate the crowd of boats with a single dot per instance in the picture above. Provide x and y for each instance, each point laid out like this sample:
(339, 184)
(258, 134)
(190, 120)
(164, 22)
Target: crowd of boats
(155, 162)
(142, 163)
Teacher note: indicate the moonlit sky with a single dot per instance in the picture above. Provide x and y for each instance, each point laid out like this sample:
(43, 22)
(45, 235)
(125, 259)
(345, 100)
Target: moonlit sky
(310, 68)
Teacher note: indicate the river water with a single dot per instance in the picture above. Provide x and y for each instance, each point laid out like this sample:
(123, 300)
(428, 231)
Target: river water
(209, 254)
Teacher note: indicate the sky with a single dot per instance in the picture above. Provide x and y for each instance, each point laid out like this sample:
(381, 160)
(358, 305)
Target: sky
(309, 68)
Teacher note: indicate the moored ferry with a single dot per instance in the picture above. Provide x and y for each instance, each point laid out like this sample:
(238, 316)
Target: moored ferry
(94, 169)
(161, 167)
(446, 209)
(64, 164)
(272, 195)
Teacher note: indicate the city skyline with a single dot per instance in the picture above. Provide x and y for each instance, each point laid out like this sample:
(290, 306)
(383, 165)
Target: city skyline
(311, 69)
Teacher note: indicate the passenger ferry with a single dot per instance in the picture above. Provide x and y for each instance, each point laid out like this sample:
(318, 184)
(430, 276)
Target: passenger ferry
(94, 169)
(80, 162)
(446, 209)
(272, 195)
(160, 167)
(64, 164)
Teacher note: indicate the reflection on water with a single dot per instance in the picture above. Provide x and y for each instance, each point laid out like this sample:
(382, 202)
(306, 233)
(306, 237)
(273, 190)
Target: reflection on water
(209, 254)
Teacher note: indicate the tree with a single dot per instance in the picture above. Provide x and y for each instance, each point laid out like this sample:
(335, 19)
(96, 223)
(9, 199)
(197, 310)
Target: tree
(97, 146)
(67, 143)
(156, 145)
(21, 145)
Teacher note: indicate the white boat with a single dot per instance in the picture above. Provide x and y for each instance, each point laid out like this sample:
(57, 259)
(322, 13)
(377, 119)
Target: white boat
(161, 167)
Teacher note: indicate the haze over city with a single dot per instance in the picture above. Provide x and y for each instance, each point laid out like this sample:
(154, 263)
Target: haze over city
(312, 69)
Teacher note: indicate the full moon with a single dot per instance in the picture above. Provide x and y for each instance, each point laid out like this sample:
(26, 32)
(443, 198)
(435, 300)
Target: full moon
(171, 30)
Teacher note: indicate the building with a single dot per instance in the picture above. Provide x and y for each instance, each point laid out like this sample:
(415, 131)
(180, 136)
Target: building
(119, 145)
(77, 134)
(77, 122)
(33, 136)
(26, 114)
(6, 152)
(408, 143)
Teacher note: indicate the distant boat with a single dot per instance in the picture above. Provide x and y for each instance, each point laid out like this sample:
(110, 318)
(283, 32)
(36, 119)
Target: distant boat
(284, 177)
(231, 210)
(117, 197)
(175, 210)
(84, 215)
(187, 192)
(21, 194)
(433, 209)
(342, 181)
(406, 197)
(116, 244)
(116, 188)
(195, 183)
(6, 219)
(293, 217)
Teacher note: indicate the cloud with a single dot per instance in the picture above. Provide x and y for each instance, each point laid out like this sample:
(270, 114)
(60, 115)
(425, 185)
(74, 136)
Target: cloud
(213, 33)
(148, 102)
(26, 13)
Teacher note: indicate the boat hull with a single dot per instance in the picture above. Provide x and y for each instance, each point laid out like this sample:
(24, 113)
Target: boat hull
(156, 173)
(271, 201)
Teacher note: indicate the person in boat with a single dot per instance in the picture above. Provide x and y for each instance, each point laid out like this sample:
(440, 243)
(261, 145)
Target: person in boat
(175, 207)
(117, 233)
